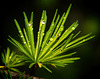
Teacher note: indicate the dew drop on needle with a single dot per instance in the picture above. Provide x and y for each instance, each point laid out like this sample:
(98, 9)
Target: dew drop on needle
(29, 24)
(43, 34)
(73, 28)
(21, 36)
(19, 31)
(43, 22)
(51, 39)
(24, 42)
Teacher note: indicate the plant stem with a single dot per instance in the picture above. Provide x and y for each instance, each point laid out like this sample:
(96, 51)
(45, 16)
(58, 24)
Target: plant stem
(33, 70)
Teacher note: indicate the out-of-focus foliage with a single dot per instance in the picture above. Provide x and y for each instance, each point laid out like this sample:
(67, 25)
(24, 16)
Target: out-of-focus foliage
(11, 61)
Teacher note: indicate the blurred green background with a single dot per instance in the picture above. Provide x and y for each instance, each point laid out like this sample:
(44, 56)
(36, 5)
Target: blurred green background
(86, 12)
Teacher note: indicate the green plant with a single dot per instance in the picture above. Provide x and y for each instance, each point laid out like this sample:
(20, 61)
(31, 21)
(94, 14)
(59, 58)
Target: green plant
(11, 61)
(51, 46)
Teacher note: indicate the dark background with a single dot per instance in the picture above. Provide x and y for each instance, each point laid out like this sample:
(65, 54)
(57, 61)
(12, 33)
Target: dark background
(87, 12)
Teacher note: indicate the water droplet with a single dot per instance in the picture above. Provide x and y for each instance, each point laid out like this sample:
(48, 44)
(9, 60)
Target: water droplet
(62, 26)
(24, 42)
(45, 48)
(51, 49)
(21, 36)
(39, 28)
(19, 31)
(43, 22)
(52, 24)
(51, 39)
(62, 29)
(42, 18)
(59, 34)
(84, 40)
(10, 57)
(91, 37)
(73, 28)
(43, 34)
(66, 46)
(32, 28)
(29, 24)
